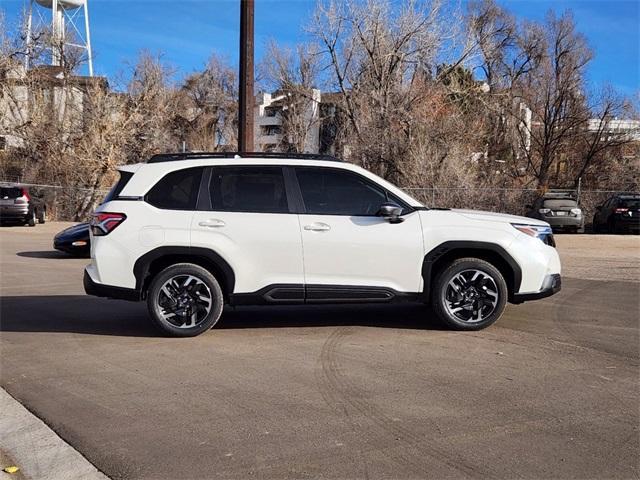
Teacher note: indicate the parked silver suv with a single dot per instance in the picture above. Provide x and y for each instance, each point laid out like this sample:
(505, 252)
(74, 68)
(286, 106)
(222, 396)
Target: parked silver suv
(16, 205)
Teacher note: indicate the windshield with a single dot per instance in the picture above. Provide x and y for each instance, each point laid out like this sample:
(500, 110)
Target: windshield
(559, 203)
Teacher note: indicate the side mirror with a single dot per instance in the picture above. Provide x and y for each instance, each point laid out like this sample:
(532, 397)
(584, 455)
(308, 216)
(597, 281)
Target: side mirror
(391, 212)
(528, 206)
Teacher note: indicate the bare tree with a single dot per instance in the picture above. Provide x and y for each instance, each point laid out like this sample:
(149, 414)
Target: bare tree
(554, 92)
(294, 75)
(207, 109)
(605, 131)
(378, 58)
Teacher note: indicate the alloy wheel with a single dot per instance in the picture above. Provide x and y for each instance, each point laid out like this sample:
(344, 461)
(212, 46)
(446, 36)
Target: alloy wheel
(185, 301)
(471, 296)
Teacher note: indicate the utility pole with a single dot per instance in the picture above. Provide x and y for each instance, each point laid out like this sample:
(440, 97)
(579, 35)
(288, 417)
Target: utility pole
(245, 114)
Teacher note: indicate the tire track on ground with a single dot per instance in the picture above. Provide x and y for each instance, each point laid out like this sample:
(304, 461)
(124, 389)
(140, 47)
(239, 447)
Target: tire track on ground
(344, 396)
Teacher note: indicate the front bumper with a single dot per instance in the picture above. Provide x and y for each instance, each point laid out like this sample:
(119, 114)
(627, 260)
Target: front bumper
(551, 285)
(67, 246)
(101, 290)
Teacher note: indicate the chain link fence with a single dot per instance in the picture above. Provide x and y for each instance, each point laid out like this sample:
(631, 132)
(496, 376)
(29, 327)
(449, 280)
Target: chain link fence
(504, 200)
(63, 202)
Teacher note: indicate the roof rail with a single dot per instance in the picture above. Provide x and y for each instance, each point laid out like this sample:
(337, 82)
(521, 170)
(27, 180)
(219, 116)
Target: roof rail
(170, 157)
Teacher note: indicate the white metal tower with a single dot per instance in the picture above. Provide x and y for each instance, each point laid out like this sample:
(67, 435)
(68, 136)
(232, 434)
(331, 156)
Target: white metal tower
(67, 16)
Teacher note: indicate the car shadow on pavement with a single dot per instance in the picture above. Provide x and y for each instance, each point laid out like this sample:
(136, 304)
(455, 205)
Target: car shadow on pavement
(74, 314)
(96, 316)
(45, 254)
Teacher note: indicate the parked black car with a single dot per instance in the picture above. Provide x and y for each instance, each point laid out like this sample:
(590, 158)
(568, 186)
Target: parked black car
(17, 206)
(560, 210)
(74, 240)
(619, 214)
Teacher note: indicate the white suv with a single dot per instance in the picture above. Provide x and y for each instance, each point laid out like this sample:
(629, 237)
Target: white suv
(189, 233)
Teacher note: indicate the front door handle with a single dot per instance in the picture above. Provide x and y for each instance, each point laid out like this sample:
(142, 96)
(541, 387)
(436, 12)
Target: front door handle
(318, 227)
(212, 223)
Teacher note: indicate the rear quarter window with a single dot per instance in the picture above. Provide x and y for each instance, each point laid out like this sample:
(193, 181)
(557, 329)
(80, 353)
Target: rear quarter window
(118, 186)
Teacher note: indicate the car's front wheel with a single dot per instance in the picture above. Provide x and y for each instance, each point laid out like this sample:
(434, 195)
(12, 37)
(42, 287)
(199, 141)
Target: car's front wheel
(185, 300)
(469, 294)
(31, 218)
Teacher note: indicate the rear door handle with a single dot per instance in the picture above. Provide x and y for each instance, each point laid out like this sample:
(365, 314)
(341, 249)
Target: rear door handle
(318, 227)
(212, 223)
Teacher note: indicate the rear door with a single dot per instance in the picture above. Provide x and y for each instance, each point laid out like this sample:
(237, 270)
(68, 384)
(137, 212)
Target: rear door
(247, 220)
(347, 245)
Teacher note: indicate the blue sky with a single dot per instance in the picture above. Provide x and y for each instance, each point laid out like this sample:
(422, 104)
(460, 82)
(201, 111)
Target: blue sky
(187, 32)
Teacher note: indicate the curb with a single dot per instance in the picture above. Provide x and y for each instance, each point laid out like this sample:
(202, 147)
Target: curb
(36, 449)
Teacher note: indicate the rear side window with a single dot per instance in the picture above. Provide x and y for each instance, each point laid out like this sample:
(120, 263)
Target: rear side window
(248, 189)
(177, 190)
(119, 185)
(328, 191)
(10, 192)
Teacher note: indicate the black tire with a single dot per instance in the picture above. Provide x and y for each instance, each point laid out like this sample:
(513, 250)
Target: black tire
(158, 313)
(441, 302)
(42, 216)
(611, 226)
(31, 220)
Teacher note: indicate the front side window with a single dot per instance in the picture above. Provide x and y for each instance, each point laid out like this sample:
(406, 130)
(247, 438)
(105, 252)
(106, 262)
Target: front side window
(328, 191)
(248, 189)
(177, 190)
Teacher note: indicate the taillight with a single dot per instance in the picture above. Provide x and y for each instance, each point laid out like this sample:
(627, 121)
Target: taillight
(621, 210)
(104, 223)
(25, 194)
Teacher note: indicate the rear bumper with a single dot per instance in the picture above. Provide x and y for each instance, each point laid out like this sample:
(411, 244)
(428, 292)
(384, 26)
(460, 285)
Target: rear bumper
(551, 285)
(14, 212)
(101, 290)
(565, 222)
(627, 224)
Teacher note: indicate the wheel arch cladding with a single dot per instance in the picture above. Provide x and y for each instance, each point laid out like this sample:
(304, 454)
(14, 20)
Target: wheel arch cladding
(156, 260)
(442, 255)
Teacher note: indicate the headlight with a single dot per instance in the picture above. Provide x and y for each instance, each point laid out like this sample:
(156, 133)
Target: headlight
(544, 233)
(576, 211)
(545, 211)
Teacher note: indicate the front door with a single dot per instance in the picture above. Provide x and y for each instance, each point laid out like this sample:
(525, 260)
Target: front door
(346, 244)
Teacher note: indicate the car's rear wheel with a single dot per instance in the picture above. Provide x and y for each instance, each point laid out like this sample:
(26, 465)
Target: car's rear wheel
(469, 294)
(185, 300)
(42, 216)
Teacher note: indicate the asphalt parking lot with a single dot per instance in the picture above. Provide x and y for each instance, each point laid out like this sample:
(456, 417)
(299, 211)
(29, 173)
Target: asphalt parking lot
(550, 391)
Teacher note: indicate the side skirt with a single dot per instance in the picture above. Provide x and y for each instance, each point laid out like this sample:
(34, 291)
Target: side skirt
(297, 294)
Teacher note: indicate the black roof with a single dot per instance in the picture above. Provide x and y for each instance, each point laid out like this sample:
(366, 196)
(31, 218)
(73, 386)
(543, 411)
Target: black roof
(170, 157)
